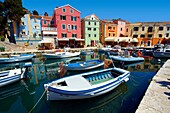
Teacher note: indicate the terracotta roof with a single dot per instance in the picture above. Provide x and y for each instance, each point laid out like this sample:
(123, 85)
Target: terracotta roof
(36, 16)
(46, 17)
(67, 5)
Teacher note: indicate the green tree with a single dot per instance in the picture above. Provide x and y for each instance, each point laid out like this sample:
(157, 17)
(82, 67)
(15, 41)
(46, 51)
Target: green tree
(34, 12)
(45, 14)
(12, 11)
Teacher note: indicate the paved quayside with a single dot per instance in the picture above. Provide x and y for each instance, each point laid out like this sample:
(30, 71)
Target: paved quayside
(157, 96)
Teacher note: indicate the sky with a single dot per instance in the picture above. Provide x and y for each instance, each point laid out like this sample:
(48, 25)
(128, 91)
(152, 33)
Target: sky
(130, 10)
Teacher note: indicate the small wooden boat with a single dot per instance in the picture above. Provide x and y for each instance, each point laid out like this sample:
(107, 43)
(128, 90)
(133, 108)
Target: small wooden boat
(10, 76)
(17, 58)
(86, 85)
(127, 60)
(86, 65)
(60, 55)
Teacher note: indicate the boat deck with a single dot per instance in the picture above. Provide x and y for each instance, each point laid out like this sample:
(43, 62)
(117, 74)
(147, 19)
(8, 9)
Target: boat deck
(99, 78)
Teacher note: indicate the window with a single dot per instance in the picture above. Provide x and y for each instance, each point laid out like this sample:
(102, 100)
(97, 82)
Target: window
(64, 35)
(109, 28)
(35, 20)
(94, 29)
(64, 10)
(143, 28)
(89, 23)
(127, 30)
(94, 35)
(74, 27)
(113, 34)
(167, 34)
(150, 36)
(62, 17)
(160, 35)
(136, 28)
(45, 22)
(150, 29)
(63, 26)
(73, 18)
(135, 36)
(71, 10)
(74, 35)
(89, 35)
(149, 43)
(52, 22)
(168, 28)
(142, 36)
(161, 28)
(109, 34)
(69, 26)
(89, 29)
(23, 23)
(121, 29)
(95, 23)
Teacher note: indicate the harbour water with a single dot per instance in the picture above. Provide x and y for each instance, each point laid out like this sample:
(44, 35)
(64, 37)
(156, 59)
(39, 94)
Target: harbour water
(22, 96)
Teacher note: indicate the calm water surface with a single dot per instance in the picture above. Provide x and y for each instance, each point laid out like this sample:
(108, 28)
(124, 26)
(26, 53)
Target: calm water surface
(20, 97)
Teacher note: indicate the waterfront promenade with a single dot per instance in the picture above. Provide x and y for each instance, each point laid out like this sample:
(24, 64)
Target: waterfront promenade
(157, 96)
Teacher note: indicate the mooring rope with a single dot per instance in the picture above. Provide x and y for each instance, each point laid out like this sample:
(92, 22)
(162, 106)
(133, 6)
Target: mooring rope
(38, 101)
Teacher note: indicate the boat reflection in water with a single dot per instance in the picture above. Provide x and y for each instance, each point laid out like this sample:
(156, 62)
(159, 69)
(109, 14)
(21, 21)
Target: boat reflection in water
(96, 104)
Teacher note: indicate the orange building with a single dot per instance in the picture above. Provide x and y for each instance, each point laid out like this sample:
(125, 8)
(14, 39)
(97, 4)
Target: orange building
(108, 28)
(147, 34)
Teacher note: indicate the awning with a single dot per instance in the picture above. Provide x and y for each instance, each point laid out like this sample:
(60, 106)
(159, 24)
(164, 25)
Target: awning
(94, 39)
(134, 40)
(67, 39)
(79, 39)
(44, 41)
(63, 39)
(118, 39)
(48, 32)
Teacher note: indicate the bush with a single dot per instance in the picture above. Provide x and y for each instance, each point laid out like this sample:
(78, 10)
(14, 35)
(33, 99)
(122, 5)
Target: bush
(2, 38)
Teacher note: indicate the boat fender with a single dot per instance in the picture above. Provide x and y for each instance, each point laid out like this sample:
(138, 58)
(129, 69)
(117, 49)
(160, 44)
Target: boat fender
(91, 93)
(138, 66)
(126, 79)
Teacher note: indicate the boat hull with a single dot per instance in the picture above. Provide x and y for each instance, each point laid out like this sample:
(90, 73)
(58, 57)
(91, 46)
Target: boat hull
(96, 90)
(16, 59)
(11, 76)
(60, 56)
(161, 54)
(128, 60)
(84, 65)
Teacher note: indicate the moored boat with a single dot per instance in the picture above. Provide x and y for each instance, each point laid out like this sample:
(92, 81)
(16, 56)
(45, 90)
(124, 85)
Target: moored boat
(10, 76)
(86, 85)
(127, 60)
(86, 65)
(60, 55)
(16, 58)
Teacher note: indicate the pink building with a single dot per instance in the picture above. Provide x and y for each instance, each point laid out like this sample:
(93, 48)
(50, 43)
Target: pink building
(68, 23)
(121, 27)
(48, 27)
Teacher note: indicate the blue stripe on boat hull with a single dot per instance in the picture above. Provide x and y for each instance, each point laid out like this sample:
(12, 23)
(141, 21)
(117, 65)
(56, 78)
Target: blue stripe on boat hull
(85, 91)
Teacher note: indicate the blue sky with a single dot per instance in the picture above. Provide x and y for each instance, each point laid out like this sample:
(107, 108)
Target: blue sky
(130, 10)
